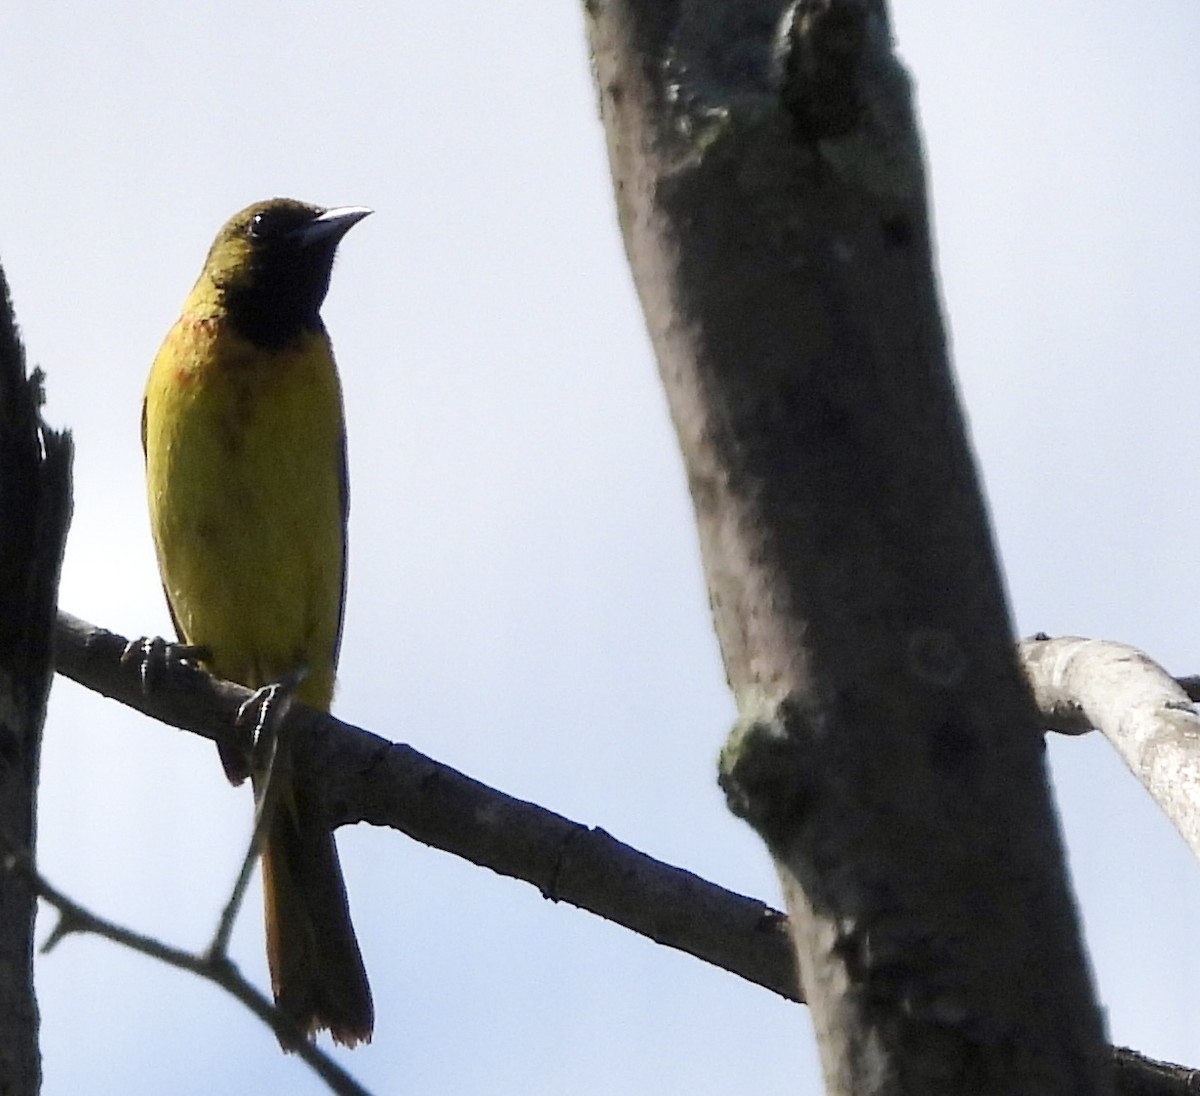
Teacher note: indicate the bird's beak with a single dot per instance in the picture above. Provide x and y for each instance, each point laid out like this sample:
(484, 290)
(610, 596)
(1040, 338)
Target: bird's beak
(333, 224)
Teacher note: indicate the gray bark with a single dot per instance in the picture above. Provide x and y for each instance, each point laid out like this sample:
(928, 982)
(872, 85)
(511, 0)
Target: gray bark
(770, 190)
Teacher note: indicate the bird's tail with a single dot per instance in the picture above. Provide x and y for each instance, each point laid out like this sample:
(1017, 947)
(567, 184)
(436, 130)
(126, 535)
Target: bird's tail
(317, 971)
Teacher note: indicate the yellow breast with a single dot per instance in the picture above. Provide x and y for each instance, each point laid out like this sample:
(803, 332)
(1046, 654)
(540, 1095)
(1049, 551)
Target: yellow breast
(245, 472)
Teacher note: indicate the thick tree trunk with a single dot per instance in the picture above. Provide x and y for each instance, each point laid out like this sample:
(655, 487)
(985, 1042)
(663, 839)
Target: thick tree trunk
(35, 506)
(770, 189)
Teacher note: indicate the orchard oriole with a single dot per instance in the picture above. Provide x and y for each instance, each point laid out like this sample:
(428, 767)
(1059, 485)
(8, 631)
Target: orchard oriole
(245, 448)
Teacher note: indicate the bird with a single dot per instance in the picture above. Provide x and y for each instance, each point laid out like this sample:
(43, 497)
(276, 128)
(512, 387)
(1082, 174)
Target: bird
(245, 452)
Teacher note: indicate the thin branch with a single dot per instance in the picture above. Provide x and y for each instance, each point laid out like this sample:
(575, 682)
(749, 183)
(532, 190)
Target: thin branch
(1146, 714)
(1137, 1075)
(364, 778)
(360, 777)
(274, 704)
(217, 969)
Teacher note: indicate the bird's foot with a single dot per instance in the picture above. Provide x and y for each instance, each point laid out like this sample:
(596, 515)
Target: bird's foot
(155, 657)
(261, 715)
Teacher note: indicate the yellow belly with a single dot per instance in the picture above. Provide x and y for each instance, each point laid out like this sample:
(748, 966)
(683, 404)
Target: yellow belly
(245, 474)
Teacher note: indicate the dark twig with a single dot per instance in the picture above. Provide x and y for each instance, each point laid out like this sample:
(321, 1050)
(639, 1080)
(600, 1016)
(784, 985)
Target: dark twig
(274, 703)
(217, 969)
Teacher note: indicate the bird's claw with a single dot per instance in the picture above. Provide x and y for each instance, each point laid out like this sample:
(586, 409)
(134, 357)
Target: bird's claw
(261, 714)
(154, 657)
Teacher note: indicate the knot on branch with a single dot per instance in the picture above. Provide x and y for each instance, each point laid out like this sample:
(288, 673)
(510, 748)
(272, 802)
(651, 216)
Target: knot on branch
(762, 768)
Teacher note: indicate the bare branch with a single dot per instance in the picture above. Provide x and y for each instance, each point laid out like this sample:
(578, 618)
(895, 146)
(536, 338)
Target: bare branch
(274, 702)
(1137, 1075)
(217, 969)
(395, 786)
(1146, 714)
(360, 777)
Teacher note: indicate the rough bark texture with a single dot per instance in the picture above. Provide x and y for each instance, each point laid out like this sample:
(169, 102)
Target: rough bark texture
(770, 190)
(35, 505)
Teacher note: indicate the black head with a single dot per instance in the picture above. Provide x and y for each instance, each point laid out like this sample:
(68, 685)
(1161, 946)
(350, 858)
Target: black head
(270, 266)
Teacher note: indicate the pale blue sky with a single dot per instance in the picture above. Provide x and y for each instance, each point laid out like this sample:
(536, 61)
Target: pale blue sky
(525, 600)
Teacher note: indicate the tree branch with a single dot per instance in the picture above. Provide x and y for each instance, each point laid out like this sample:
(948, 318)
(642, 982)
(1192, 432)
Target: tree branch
(35, 511)
(369, 779)
(771, 193)
(1148, 716)
(213, 967)
(360, 777)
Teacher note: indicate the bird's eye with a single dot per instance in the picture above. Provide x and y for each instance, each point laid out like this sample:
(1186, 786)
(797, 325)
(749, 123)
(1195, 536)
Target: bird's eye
(267, 223)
